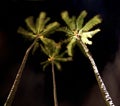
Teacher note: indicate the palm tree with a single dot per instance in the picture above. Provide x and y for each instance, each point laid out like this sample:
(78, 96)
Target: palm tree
(52, 50)
(78, 33)
(35, 32)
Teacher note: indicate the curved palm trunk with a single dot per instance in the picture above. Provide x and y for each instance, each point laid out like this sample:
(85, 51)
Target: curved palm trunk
(105, 94)
(54, 86)
(14, 87)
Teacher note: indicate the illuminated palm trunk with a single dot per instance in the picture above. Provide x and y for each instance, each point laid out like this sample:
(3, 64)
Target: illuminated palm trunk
(105, 94)
(14, 87)
(54, 85)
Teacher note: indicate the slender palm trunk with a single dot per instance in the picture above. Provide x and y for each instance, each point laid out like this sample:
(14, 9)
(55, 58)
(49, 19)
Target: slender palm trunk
(14, 87)
(105, 94)
(54, 86)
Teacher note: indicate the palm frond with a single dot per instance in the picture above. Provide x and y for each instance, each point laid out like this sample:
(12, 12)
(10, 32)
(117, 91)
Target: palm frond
(63, 53)
(30, 23)
(66, 30)
(73, 23)
(27, 34)
(44, 50)
(49, 46)
(40, 22)
(45, 64)
(90, 34)
(69, 21)
(64, 59)
(58, 65)
(91, 23)
(80, 19)
(70, 46)
(57, 49)
(50, 28)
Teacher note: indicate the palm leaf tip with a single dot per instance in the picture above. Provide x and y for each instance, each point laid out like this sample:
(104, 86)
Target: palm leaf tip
(65, 14)
(81, 15)
(42, 16)
(95, 31)
(65, 17)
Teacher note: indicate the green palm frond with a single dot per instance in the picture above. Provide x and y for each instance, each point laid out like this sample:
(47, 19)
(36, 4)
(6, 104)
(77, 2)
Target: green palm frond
(41, 22)
(70, 46)
(49, 46)
(50, 28)
(69, 21)
(73, 23)
(66, 30)
(45, 64)
(27, 34)
(30, 23)
(44, 50)
(66, 18)
(58, 65)
(57, 49)
(91, 33)
(91, 23)
(80, 19)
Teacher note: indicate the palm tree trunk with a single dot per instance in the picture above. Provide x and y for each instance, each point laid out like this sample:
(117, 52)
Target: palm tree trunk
(54, 85)
(105, 94)
(14, 87)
